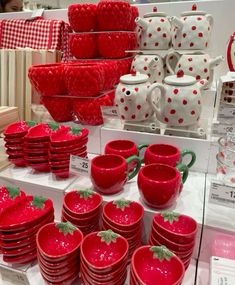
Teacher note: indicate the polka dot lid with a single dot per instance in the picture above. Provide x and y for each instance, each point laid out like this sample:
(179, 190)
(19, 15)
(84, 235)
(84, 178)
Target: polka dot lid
(194, 12)
(180, 79)
(155, 13)
(134, 78)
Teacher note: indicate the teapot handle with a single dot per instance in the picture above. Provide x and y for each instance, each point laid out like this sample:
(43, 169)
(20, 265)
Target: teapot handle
(168, 57)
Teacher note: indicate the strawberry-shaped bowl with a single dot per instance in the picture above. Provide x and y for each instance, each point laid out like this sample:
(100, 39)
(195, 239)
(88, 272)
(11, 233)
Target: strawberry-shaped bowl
(157, 264)
(59, 241)
(82, 203)
(18, 129)
(79, 147)
(10, 196)
(104, 251)
(81, 222)
(124, 214)
(26, 213)
(41, 132)
(178, 228)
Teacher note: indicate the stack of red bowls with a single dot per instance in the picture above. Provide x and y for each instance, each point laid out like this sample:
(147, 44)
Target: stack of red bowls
(104, 259)
(156, 265)
(125, 218)
(175, 231)
(64, 142)
(19, 224)
(82, 209)
(14, 138)
(58, 252)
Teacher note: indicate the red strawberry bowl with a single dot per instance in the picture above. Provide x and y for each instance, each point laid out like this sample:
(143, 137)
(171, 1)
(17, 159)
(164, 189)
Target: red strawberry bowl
(62, 173)
(14, 147)
(17, 244)
(38, 159)
(65, 156)
(58, 241)
(18, 129)
(21, 259)
(82, 203)
(83, 222)
(157, 263)
(41, 132)
(80, 146)
(36, 145)
(19, 251)
(18, 161)
(40, 167)
(66, 281)
(178, 228)
(10, 196)
(13, 141)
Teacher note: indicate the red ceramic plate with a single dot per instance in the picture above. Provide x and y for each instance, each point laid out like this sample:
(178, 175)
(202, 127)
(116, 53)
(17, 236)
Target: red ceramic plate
(10, 196)
(17, 244)
(37, 159)
(41, 167)
(36, 145)
(18, 129)
(22, 259)
(19, 251)
(14, 147)
(64, 156)
(14, 141)
(79, 147)
(29, 211)
(15, 153)
(94, 219)
(40, 132)
(36, 152)
(19, 161)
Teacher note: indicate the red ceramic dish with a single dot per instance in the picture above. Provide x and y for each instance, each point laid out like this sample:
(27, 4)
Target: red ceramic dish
(18, 129)
(21, 259)
(58, 241)
(36, 152)
(81, 221)
(40, 167)
(17, 244)
(62, 173)
(80, 146)
(15, 153)
(59, 164)
(148, 267)
(67, 281)
(66, 156)
(14, 141)
(10, 196)
(41, 132)
(38, 159)
(82, 203)
(19, 161)
(48, 79)
(181, 231)
(19, 251)
(36, 145)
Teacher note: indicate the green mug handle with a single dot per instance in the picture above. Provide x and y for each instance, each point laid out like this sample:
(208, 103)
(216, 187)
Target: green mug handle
(139, 147)
(136, 169)
(183, 168)
(193, 156)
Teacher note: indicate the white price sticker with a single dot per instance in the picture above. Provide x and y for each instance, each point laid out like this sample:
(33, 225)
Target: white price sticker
(14, 276)
(222, 195)
(227, 112)
(79, 165)
(109, 111)
(222, 271)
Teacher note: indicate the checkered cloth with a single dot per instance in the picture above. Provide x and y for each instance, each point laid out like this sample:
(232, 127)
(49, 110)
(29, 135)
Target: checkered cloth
(35, 34)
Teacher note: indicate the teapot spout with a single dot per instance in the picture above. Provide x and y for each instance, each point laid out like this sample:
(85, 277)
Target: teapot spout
(178, 23)
(154, 63)
(216, 61)
(142, 23)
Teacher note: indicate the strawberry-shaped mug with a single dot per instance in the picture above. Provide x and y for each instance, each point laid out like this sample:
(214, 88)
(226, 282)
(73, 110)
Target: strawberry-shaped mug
(151, 65)
(180, 103)
(192, 31)
(196, 64)
(131, 97)
(154, 31)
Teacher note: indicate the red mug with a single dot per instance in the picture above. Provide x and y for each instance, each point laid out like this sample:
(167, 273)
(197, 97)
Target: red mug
(109, 172)
(167, 154)
(159, 184)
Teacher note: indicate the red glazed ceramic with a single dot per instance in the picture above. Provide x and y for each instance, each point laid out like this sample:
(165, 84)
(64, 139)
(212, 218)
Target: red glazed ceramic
(36, 151)
(19, 251)
(18, 161)
(36, 159)
(36, 145)
(8, 245)
(18, 129)
(61, 173)
(134, 15)
(178, 228)
(61, 277)
(82, 203)
(15, 153)
(58, 241)
(81, 222)
(13, 141)
(167, 154)
(59, 164)
(41, 132)
(67, 281)
(60, 108)
(48, 79)
(21, 259)
(82, 17)
(109, 172)
(10, 196)
(113, 15)
(40, 167)
(66, 156)
(14, 147)
(75, 147)
(157, 263)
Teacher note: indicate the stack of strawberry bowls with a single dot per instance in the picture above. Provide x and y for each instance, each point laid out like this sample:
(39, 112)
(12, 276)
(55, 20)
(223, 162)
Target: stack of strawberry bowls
(58, 252)
(19, 224)
(177, 232)
(125, 218)
(14, 138)
(82, 209)
(64, 142)
(104, 259)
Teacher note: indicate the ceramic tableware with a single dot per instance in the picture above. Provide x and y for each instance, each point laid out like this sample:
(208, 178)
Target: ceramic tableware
(9, 196)
(18, 130)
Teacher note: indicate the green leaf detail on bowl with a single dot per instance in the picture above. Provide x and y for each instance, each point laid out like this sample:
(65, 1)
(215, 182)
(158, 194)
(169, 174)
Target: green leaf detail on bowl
(31, 123)
(161, 252)
(13, 192)
(108, 236)
(38, 202)
(170, 217)
(76, 131)
(53, 126)
(122, 203)
(66, 228)
(85, 193)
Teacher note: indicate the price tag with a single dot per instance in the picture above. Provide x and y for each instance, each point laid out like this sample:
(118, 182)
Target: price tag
(226, 112)
(109, 111)
(222, 129)
(222, 271)
(222, 195)
(14, 276)
(79, 165)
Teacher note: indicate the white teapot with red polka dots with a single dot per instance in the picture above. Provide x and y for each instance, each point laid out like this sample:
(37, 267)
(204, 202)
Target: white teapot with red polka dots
(131, 97)
(196, 64)
(192, 31)
(154, 31)
(180, 101)
(151, 65)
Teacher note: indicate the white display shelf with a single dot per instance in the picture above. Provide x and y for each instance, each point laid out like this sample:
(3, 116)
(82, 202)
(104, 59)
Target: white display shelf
(203, 273)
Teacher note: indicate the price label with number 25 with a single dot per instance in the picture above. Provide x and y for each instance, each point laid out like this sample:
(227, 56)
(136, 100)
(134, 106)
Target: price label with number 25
(79, 165)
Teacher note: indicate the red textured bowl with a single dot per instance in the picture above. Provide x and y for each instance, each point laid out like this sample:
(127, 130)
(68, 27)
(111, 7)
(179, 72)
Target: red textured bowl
(9, 245)
(18, 161)
(10, 196)
(83, 45)
(82, 204)
(82, 17)
(60, 278)
(37, 159)
(14, 141)
(84, 80)
(148, 268)
(88, 110)
(15, 153)
(19, 251)
(92, 219)
(115, 44)
(60, 108)
(62, 173)
(92, 248)
(182, 231)
(36, 145)
(39, 133)
(55, 157)
(78, 147)
(21, 259)
(113, 15)
(67, 281)
(59, 164)
(40, 167)
(56, 245)
(17, 130)
(14, 147)
(48, 79)
(35, 152)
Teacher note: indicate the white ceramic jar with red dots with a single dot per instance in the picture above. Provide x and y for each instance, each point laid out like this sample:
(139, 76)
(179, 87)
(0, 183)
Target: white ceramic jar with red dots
(154, 31)
(196, 64)
(192, 31)
(131, 97)
(180, 103)
(151, 65)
